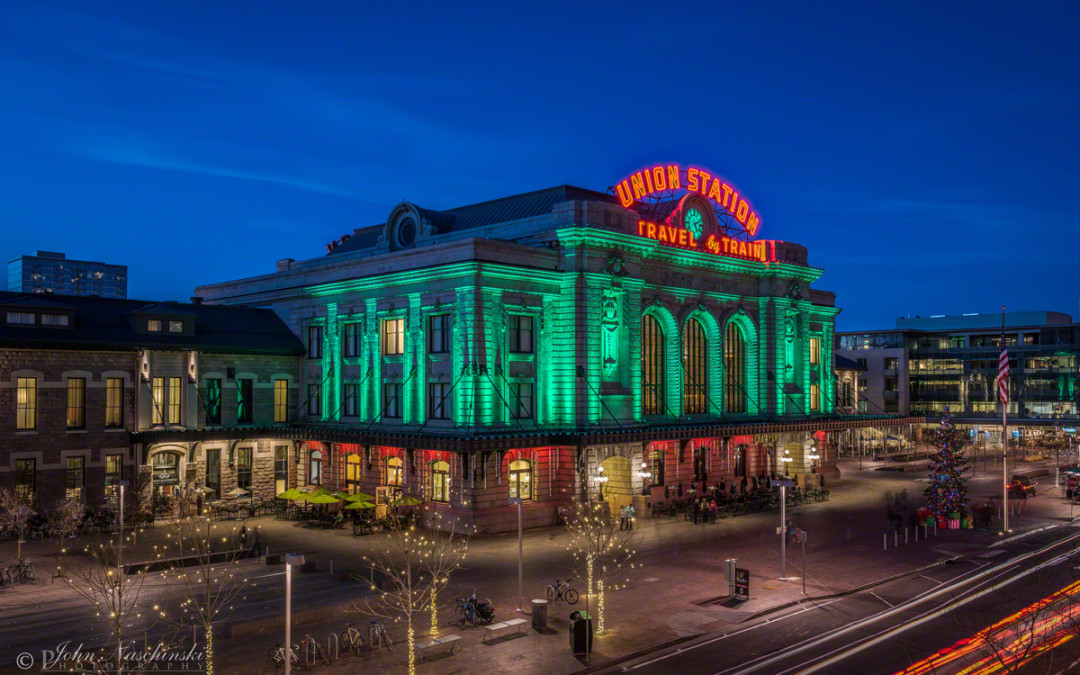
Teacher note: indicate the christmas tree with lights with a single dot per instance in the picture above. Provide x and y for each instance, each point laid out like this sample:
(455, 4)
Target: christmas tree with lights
(947, 492)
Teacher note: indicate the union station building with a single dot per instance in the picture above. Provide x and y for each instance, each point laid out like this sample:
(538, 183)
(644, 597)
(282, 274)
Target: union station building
(561, 344)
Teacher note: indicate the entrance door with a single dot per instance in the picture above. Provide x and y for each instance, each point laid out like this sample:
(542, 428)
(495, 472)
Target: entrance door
(617, 489)
(166, 480)
(740, 461)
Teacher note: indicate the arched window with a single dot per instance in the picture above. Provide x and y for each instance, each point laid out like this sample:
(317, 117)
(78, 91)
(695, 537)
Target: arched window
(394, 471)
(521, 479)
(695, 374)
(352, 472)
(315, 467)
(652, 366)
(440, 481)
(734, 369)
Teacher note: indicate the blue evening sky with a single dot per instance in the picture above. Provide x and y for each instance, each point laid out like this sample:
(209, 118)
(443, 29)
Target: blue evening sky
(926, 154)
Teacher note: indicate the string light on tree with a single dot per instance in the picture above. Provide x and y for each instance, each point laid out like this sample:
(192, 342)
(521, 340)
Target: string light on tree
(947, 492)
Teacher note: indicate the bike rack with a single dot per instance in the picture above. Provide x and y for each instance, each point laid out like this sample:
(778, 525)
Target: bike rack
(336, 651)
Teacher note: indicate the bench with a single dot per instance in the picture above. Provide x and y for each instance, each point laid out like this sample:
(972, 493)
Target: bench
(496, 627)
(451, 640)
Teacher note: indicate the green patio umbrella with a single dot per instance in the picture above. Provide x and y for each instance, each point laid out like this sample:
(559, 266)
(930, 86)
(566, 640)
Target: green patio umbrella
(359, 497)
(407, 500)
(359, 505)
(291, 493)
(323, 499)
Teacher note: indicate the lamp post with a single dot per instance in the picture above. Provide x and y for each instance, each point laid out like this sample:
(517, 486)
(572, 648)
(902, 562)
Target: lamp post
(600, 480)
(290, 560)
(521, 556)
(786, 459)
(644, 474)
(813, 457)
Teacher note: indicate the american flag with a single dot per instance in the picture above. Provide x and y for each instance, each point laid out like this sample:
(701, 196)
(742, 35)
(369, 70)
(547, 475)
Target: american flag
(1003, 371)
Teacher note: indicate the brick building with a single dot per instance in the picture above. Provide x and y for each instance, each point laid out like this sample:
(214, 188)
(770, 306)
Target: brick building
(81, 377)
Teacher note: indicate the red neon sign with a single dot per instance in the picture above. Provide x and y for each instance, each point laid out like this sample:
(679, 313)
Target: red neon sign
(673, 177)
(717, 245)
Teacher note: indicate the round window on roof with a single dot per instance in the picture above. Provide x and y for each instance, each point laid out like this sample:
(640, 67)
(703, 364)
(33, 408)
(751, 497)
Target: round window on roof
(406, 233)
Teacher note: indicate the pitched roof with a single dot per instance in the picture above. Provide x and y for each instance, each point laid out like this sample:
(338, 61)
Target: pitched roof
(474, 216)
(106, 324)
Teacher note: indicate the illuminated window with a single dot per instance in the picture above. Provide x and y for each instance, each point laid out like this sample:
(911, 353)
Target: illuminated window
(25, 478)
(652, 366)
(392, 400)
(73, 477)
(213, 401)
(393, 336)
(153, 325)
(176, 326)
(314, 342)
(114, 402)
(314, 400)
(394, 471)
(656, 466)
(696, 376)
(815, 351)
(315, 467)
(281, 400)
(21, 318)
(114, 473)
(26, 411)
(54, 319)
(244, 401)
(521, 400)
(281, 468)
(440, 481)
(76, 403)
(521, 334)
(734, 369)
(243, 468)
(438, 401)
(174, 400)
(815, 397)
(353, 335)
(439, 334)
(353, 470)
(157, 395)
(521, 479)
(349, 404)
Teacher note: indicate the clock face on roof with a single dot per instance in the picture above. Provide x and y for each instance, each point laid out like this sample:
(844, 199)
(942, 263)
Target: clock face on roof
(694, 222)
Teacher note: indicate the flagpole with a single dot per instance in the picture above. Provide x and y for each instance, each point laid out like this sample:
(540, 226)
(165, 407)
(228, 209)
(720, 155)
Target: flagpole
(1004, 436)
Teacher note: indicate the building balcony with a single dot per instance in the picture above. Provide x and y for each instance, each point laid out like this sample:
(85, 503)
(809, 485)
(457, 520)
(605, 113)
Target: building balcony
(891, 395)
(889, 372)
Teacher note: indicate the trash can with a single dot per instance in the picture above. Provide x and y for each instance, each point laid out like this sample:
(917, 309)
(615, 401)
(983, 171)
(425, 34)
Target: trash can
(581, 633)
(539, 614)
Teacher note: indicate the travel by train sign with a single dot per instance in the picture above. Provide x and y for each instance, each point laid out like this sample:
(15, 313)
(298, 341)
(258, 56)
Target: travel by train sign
(693, 222)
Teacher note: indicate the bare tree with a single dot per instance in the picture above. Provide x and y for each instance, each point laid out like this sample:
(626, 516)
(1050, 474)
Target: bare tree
(447, 550)
(102, 582)
(63, 522)
(601, 550)
(15, 513)
(206, 579)
(402, 559)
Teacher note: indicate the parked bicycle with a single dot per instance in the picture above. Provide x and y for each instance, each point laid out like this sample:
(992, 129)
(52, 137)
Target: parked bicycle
(352, 640)
(562, 591)
(277, 656)
(378, 637)
(22, 571)
(470, 611)
(313, 651)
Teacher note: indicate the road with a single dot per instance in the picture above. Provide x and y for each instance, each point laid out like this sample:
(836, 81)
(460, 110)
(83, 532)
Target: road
(889, 627)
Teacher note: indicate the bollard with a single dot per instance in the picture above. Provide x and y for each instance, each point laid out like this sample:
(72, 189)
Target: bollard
(885, 540)
(905, 536)
(925, 529)
(331, 568)
(895, 539)
(916, 532)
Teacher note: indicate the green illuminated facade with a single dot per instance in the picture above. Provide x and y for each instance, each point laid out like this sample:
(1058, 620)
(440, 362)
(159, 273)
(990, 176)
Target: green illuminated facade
(541, 328)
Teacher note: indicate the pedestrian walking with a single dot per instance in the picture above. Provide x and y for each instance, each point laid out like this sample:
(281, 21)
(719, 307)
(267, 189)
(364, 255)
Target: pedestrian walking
(622, 518)
(630, 517)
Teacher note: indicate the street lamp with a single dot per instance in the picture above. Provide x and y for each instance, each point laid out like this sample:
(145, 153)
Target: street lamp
(786, 459)
(290, 560)
(600, 480)
(813, 457)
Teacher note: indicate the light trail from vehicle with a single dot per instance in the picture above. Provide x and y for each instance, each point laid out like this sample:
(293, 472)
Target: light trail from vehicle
(1015, 644)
